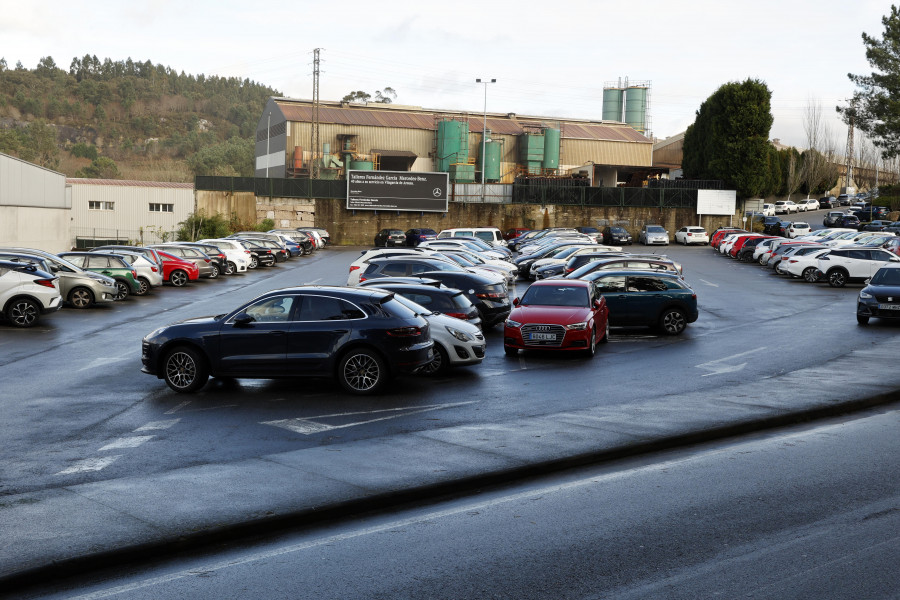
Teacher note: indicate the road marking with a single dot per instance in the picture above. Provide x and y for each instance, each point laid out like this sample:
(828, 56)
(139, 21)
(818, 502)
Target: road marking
(157, 425)
(717, 368)
(91, 464)
(127, 442)
(709, 283)
(99, 362)
(177, 408)
(308, 426)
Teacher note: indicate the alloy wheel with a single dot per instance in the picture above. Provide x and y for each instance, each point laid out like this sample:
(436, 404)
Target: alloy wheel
(81, 298)
(178, 278)
(23, 312)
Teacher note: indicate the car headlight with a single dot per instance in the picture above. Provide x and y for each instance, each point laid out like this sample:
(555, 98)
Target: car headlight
(513, 324)
(458, 334)
(865, 295)
(577, 326)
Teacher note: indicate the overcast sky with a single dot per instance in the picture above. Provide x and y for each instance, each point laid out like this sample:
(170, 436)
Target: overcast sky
(549, 59)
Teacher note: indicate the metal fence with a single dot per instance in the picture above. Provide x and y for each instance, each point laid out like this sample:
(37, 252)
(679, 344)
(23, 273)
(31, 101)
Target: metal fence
(525, 192)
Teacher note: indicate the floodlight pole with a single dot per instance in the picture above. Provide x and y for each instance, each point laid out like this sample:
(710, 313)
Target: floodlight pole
(484, 134)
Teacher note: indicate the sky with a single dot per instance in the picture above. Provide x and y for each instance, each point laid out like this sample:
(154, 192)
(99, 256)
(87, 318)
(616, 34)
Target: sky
(549, 60)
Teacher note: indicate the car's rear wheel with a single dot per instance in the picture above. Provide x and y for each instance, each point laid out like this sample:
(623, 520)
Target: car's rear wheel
(81, 297)
(672, 321)
(810, 275)
(362, 371)
(23, 312)
(185, 370)
(837, 278)
(439, 364)
(178, 278)
(144, 289)
(122, 290)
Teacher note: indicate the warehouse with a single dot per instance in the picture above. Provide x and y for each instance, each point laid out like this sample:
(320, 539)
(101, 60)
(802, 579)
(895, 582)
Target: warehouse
(34, 206)
(374, 136)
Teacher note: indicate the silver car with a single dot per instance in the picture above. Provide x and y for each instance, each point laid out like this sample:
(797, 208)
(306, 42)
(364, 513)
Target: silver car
(148, 274)
(195, 255)
(654, 235)
(80, 288)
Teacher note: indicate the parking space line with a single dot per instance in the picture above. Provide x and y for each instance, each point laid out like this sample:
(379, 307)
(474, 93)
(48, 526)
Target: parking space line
(127, 442)
(158, 425)
(177, 408)
(307, 426)
(90, 464)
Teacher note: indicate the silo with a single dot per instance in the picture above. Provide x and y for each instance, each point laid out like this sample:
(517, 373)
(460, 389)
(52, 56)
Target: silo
(612, 104)
(636, 107)
(493, 151)
(452, 144)
(361, 165)
(551, 149)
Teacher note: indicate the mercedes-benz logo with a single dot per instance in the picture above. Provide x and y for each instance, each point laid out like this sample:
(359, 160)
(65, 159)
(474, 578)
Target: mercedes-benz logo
(437, 192)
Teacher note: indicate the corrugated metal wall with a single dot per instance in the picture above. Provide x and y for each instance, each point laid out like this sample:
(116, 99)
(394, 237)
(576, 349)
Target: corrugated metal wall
(26, 184)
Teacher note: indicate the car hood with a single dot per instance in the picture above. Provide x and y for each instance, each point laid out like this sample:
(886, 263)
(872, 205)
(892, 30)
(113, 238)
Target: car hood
(883, 290)
(560, 315)
(102, 278)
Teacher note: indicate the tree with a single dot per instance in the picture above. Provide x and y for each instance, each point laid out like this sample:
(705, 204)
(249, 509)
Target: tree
(357, 96)
(100, 168)
(385, 96)
(817, 160)
(875, 107)
(729, 139)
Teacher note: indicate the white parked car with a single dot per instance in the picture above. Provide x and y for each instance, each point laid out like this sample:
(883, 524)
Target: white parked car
(843, 265)
(850, 238)
(359, 265)
(797, 229)
(691, 235)
(26, 293)
(780, 262)
(768, 210)
(437, 245)
(237, 258)
(763, 247)
(808, 204)
(786, 207)
(804, 266)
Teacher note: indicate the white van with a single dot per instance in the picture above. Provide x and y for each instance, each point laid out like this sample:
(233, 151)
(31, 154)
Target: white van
(491, 235)
(768, 210)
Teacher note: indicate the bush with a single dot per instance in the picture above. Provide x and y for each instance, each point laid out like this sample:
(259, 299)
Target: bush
(199, 226)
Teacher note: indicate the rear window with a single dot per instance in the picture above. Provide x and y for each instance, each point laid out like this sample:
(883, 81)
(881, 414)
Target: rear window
(487, 236)
(461, 301)
(655, 229)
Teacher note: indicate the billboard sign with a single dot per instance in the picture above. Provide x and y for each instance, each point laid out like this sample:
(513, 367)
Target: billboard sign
(397, 190)
(716, 202)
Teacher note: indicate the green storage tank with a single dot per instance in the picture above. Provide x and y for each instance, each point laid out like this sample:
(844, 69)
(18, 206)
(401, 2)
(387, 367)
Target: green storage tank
(493, 151)
(551, 149)
(452, 144)
(460, 173)
(612, 104)
(636, 107)
(361, 165)
(531, 147)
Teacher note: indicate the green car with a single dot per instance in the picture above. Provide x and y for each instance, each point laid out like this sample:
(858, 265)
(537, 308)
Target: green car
(109, 265)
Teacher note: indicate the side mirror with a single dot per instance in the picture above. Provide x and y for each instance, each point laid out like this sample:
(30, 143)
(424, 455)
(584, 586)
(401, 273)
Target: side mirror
(597, 304)
(516, 302)
(243, 319)
(54, 269)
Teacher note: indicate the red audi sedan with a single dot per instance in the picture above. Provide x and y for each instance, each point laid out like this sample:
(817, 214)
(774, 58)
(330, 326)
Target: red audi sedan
(557, 314)
(178, 271)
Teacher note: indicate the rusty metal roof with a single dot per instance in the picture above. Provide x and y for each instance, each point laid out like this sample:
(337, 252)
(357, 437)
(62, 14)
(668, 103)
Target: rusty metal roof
(420, 118)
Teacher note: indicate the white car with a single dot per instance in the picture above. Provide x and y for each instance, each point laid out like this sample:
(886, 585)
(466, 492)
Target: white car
(237, 258)
(768, 210)
(843, 265)
(850, 238)
(820, 234)
(691, 235)
(808, 204)
(149, 275)
(27, 292)
(731, 239)
(786, 207)
(797, 229)
(763, 247)
(804, 266)
(437, 245)
(359, 265)
(780, 262)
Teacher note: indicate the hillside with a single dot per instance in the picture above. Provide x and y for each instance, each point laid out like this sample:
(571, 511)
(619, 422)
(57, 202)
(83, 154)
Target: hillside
(129, 120)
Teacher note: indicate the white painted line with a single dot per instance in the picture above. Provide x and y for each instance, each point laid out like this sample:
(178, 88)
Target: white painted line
(717, 367)
(313, 282)
(709, 283)
(210, 408)
(127, 442)
(99, 362)
(90, 464)
(307, 426)
(177, 408)
(153, 425)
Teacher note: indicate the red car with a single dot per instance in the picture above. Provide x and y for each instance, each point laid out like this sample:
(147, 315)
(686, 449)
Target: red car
(178, 271)
(554, 314)
(721, 232)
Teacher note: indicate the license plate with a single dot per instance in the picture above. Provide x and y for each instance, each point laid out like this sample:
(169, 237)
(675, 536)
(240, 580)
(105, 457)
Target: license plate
(889, 306)
(543, 336)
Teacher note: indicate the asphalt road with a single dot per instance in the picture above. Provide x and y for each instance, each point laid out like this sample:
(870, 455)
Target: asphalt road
(803, 513)
(77, 408)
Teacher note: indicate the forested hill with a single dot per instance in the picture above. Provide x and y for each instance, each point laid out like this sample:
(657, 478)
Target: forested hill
(129, 120)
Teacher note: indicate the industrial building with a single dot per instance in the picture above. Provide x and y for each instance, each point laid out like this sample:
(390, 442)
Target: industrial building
(34, 206)
(300, 138)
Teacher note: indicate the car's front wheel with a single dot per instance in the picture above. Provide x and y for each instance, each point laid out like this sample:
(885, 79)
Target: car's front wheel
(837, 278)
(81, 297)
(362, 371)
(592, 344)
(672, 321)
(862, 319)
(510, 351)
(23, 312)
(439, 364)
(185, 370)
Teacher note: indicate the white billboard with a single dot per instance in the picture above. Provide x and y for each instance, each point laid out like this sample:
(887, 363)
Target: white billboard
(716, 202)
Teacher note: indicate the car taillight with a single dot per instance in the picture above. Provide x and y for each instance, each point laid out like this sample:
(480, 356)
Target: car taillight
(208, 260)
(404, 332)
(154, 269)
(247, 252)
(46, 282)
(361, 279)
(353, 268)
(462, 316)
(491, 295)
(134, 273)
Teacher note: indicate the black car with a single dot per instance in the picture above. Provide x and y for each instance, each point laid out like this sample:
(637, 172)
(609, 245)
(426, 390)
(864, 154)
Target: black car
(524, 262)
(416, 236)
(259, 254)
(850, 221)
(828, 202)
(214, 253)
(616, 236)
(440, 298)
(772, 225)
(362, 337)
(489, 295)
(881, 296)
(579, 260)
(874, 226)
(390, 237)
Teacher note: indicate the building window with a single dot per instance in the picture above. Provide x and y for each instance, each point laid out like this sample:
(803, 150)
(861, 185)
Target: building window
(157, 207)
(98, 205)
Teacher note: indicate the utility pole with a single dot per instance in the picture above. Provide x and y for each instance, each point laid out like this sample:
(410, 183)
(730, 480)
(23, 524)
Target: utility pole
(314, 131)
(484, 134)
(850, 126)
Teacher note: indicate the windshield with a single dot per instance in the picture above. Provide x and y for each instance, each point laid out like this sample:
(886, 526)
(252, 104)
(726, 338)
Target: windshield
(886, 277)
(655, 229)
(555, 295)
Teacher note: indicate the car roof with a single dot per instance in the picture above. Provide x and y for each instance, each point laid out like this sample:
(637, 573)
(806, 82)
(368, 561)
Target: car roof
(642, 273)
(558, 282)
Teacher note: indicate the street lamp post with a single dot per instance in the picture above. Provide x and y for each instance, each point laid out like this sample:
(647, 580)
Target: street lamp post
(484, 134)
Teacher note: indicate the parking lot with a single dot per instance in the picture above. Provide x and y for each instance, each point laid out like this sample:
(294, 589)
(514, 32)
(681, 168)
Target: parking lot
(78, 408)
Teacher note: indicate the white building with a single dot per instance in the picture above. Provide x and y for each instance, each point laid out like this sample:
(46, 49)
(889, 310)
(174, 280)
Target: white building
(116, 211)
(34, 206)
